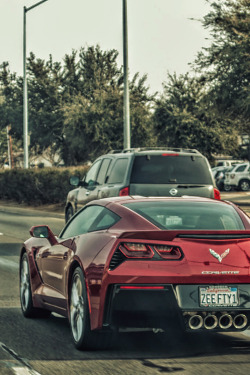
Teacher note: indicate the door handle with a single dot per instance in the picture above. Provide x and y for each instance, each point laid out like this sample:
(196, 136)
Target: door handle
(87, 193)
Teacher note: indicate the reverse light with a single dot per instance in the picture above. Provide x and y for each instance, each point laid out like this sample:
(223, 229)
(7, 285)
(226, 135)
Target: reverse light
(136, 250)
(168, 252)
(217, 194)
(124, 192)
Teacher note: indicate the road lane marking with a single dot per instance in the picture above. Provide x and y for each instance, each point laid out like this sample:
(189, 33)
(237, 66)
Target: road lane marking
(9, 263)
(23, 368)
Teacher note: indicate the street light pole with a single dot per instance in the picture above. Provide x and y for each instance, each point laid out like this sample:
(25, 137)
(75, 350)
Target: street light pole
(126, 111)
(25, 91)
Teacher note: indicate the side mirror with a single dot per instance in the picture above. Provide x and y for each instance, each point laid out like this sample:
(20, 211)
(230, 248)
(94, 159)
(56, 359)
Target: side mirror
(43, 231)
(39, 232)
(74, 181)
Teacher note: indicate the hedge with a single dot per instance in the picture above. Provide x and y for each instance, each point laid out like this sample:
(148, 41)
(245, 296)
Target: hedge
(38, 186)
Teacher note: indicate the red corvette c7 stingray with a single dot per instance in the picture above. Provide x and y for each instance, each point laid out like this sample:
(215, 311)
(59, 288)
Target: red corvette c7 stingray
(141, 262)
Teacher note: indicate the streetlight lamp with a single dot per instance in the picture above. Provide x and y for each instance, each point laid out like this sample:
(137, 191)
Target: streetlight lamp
(25, 93)
(126, 115)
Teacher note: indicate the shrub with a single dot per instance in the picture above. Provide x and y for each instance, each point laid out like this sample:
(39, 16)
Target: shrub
(38, 186)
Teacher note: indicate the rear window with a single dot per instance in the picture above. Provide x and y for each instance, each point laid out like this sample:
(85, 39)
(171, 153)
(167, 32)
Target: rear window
(160, 169)
(188, 215)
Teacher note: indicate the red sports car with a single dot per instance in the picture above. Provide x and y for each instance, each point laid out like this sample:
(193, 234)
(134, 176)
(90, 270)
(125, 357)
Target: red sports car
(141, 262)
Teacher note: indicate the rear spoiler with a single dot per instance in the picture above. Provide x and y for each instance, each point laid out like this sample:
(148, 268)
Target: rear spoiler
(169, 235)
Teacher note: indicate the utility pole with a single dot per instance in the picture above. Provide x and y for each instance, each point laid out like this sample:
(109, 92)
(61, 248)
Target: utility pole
(126, 109)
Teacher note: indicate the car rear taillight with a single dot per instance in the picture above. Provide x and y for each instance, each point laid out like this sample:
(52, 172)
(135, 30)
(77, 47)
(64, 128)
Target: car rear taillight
(168, 252)
(136, 250)
(217, 194)
(123, 192)
(170, 154)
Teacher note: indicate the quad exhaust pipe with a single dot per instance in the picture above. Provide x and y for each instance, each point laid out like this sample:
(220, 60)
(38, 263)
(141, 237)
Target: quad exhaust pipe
(195, 321)
(240, 321)
(225, 321)
(212, 321)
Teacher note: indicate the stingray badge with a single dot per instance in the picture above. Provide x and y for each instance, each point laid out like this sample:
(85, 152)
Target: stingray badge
(217, 256)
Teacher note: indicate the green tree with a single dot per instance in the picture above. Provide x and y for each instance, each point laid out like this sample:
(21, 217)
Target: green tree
(183, 118)
(11, 100)
(45, 100)
(93, 117)
(225, 64)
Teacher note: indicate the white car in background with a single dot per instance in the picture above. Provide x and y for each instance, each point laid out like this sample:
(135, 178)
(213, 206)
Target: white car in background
(239, 177)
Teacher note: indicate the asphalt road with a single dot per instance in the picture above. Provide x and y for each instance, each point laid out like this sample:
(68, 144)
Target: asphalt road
(44, 346)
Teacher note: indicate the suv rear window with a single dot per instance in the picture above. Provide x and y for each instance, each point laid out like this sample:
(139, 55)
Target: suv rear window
(167, 169)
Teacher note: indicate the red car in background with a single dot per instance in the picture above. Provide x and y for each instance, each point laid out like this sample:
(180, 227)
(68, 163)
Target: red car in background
(141, 262)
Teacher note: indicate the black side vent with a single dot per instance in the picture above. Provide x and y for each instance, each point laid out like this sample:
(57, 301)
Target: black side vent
(117, 258)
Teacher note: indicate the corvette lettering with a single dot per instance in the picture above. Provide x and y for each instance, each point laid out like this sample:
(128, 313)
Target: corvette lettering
(220, 272)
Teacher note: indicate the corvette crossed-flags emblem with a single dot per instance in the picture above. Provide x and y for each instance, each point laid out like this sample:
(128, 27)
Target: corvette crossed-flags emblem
(217, 256)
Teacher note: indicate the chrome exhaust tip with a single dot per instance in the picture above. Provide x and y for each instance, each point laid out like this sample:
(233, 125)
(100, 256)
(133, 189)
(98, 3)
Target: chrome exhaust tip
(240, 321)
(225, 321)
(195, 322)
(210, 321)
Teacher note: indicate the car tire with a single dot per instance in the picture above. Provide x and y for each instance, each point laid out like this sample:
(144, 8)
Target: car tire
(244, 185)
(227, 187)
(79, 317)
(29, 311)
(69, 213)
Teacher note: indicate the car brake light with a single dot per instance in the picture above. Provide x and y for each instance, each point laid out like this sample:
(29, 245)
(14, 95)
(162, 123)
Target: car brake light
(136, 250)
(123, 192)
(170, 154)
(168, 252)
(217, 194)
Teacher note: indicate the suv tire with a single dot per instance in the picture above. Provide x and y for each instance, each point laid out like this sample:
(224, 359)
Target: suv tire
(244, 185)
(69, 213)
(227, 187)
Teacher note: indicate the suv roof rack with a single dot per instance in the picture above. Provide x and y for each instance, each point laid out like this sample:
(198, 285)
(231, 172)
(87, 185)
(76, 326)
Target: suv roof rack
(138, 149)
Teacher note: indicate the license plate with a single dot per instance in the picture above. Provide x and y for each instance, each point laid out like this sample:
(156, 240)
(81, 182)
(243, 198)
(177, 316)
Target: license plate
(218, 296)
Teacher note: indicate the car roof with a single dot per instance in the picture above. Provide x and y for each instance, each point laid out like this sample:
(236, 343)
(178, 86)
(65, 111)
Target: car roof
(153, 151)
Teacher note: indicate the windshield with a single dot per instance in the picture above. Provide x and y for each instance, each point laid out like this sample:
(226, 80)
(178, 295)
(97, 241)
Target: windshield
(188, 215)
(167, 169)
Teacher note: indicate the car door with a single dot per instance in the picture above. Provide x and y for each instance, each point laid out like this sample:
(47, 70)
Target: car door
(88, 190)
(53, 261)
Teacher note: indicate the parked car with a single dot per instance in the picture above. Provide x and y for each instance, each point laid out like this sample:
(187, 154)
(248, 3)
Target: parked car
(219, 176)
(141, 262)
(228, 163)
(239, 177)
(146, 172)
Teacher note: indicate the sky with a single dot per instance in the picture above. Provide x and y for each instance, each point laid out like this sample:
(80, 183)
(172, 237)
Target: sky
(161, 36)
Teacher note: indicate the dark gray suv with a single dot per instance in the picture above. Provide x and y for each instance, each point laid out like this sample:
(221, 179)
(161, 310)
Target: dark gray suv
(146, 172)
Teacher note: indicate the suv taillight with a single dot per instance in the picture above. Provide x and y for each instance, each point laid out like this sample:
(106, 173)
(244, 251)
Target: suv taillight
(123, 192)
(217, 194)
